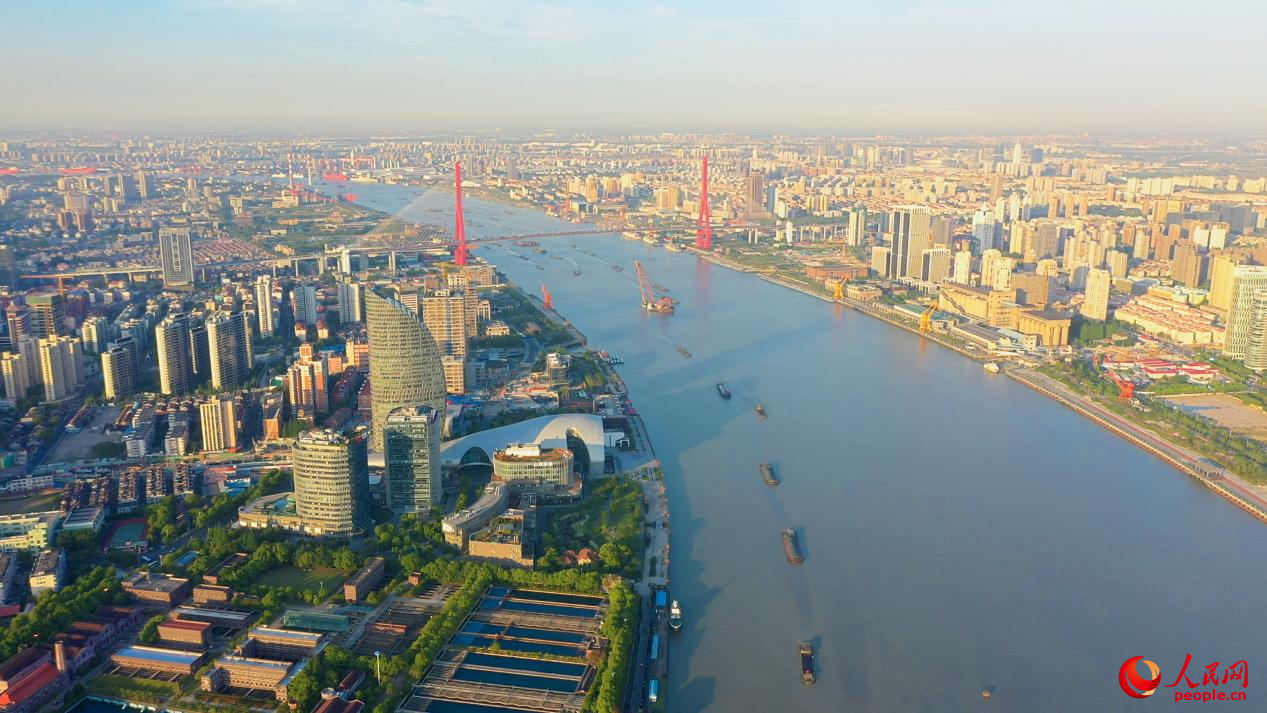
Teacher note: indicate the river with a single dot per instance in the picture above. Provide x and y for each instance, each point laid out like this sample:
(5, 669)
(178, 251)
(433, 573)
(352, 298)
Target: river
(960, 530)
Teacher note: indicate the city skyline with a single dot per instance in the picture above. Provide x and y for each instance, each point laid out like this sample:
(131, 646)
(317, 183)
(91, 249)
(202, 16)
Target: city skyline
(393, 64)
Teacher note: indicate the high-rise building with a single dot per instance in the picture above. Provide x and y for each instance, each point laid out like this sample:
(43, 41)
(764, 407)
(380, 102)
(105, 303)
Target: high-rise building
(1188, 266)
(1221, 281)
(306, 384)
(754, 192)
(120, 369)
(935, 265)
(1095, 304)
(882, 261)
(8, 265)
(199, 352)
(1118, 261)
(265, 310)
(145, 185)
(171, 340)
(176, 256)
(985, 229)
(17, 377)
(304, 297)
(856, 226)
(444, 314)
(411, 450)
(351, 301)
(331, 475)
(963, 267)
(1246, 336)
(48, 314)
(20, 322)
(218, 417)
(229, 345)
(405, 365)
(95, 333)
(60, 368)
(911, 227)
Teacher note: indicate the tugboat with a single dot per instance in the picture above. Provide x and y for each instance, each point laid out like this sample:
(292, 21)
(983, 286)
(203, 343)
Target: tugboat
(761, 410)
(807, 662)
(767, 474)
(792, 548)
(721, 389)
(675, 616)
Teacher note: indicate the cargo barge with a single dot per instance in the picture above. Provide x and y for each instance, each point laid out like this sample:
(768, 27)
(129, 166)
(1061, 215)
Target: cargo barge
(767, 474)
(792, 547)
(807, 662)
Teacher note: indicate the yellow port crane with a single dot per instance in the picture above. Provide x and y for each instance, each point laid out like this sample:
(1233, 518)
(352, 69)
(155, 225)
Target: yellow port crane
(926, 318)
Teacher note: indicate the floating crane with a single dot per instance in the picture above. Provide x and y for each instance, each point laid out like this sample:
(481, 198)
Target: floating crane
(652, 301)
(546, 298)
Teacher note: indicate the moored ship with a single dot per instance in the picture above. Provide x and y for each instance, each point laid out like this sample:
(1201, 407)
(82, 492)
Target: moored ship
(675, 616)
(792, 547)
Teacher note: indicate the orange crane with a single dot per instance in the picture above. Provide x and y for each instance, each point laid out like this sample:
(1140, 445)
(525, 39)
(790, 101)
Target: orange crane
(546, 297)
(651, 301)
(1125, 387)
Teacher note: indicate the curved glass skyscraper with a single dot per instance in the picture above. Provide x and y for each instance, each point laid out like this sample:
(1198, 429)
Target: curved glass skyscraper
(405, 367)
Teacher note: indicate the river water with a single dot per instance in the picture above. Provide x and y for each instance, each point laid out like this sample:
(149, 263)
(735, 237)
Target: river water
(960, 530)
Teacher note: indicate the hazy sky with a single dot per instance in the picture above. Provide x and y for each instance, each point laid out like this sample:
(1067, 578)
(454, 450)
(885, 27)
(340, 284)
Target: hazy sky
(776, 65)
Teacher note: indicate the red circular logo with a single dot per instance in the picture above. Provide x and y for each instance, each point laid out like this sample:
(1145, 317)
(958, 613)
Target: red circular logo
(1133, 684)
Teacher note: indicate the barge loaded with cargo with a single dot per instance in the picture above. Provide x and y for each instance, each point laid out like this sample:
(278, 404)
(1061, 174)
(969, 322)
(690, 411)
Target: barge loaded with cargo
(807, 662)
(792, 547)
(767, 474)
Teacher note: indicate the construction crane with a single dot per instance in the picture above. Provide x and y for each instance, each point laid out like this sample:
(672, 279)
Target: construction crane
(546, 298)
(651, 300)
(839, 292)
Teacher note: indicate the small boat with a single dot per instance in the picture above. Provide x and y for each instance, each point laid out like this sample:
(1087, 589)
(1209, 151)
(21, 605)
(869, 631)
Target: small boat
(767, 474)
(807, 662)
(761, 410)
(675, 616)
(992, 367)
(987, 693)
(576, 273)
(721, 389)
(618, 268)
(682, 350)
(792, 547)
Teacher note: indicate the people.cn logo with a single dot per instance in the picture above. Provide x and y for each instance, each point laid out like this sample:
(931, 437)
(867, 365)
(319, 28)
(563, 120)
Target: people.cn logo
(1132, 684)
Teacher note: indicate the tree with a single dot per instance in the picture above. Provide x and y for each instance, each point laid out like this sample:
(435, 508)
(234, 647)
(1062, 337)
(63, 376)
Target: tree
(611, 555)
(149, 632)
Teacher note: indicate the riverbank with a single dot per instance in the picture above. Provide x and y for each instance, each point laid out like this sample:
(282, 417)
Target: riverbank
(1207, 472)
(657, 531)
